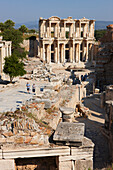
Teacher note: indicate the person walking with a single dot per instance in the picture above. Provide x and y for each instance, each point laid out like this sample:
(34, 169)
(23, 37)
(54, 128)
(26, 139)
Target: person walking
(33, 88)
(28, 87)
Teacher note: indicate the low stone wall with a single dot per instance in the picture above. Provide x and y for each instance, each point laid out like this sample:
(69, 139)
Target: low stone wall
(61, 157)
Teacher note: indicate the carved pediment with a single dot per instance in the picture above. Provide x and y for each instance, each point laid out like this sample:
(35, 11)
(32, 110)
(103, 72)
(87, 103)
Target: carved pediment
(54, 18)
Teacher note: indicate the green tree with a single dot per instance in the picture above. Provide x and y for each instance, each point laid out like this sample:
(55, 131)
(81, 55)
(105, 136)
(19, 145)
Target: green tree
(32, 31)
(9, 24)
(23, 29)
(13, 35)
(13, 67)
(20, 52)
(2, 26)
(99, 34)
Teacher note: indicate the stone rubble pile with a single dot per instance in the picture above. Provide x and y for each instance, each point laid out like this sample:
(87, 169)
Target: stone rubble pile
(22, 128)
(38, 70)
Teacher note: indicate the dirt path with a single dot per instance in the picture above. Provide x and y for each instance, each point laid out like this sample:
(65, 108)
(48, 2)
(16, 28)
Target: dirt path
(93, 130)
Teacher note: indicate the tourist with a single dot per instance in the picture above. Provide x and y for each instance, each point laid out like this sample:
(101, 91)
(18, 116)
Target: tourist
(33, 88)
(28, 87)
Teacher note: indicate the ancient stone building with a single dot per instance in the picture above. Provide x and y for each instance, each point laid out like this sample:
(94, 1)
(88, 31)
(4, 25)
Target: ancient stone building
(67, 39)
(31, 45)
(104, 60)
(5, 50)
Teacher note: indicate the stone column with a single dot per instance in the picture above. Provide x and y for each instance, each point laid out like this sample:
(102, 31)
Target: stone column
(63, 52)
(58, 53)
(93, 27)
(70, 52)
(71, 30)
(64, 30)
(44, 29)
(75, 52)
(80, 29)
(86, 51)
(83, 50)
(49, 53)
(55, 53)
(78, 53)
(92, 53)
(85, 30)
(43, 52)
(92, 30)
(49, 29)
(56, 30)
(2, 60)
(62, 60)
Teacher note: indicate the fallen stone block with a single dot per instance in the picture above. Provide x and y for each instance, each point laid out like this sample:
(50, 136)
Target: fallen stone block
(69, 133)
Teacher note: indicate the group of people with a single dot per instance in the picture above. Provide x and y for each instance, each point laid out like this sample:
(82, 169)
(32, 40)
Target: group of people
(33, 88)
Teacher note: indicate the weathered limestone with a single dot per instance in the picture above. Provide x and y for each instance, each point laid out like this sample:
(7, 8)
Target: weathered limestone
(104, 60)
(7, 164)
(107, 104)
(67, 39)
(67, 114)
(69, 133)
(5, 50)
(35, 152)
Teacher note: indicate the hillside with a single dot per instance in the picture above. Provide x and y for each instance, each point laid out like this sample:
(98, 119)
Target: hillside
(34, 24)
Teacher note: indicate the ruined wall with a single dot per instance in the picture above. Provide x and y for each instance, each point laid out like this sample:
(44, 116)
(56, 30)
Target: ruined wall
(31, 46)
(104, 60)
(107, 104)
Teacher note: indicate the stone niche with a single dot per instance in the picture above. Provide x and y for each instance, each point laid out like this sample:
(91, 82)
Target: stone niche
(42, 163)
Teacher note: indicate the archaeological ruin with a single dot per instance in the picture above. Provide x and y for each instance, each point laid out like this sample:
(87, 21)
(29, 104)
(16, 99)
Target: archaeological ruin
(61, 125)
(5, 50)
(104, 60)
(67, 39)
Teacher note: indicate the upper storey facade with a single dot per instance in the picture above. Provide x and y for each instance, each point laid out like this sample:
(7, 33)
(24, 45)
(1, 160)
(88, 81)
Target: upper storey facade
(54, 27)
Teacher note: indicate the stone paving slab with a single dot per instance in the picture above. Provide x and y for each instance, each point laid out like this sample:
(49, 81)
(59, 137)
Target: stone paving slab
(10, 96)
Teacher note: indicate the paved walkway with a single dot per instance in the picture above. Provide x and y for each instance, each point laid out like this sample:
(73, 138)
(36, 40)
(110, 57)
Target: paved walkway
(93, 129)
(12, 96)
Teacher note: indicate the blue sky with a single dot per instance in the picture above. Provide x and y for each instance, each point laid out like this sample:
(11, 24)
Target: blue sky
(30, 10)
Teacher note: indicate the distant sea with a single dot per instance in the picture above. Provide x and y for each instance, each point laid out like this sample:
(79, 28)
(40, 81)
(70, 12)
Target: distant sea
(34, 24)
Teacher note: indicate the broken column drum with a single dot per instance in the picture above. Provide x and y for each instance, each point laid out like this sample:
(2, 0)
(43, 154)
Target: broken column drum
(67, 114)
